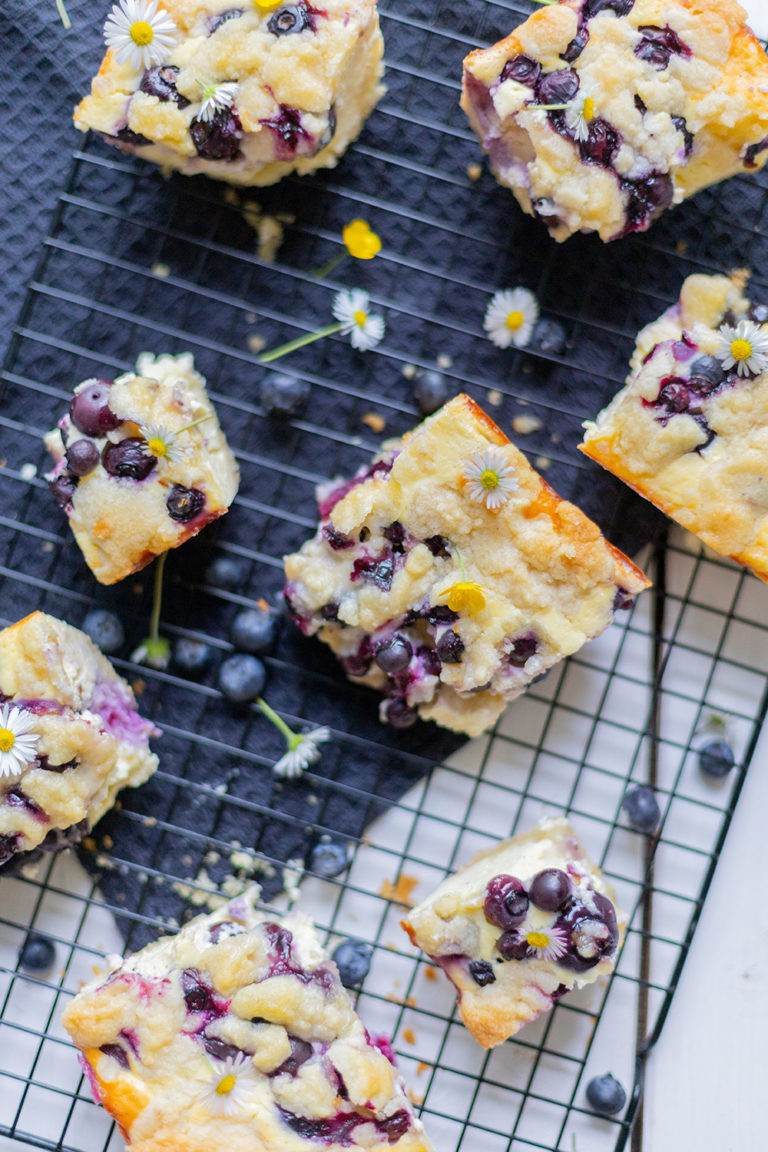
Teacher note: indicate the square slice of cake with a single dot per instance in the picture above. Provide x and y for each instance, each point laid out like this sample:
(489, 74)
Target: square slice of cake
(237, 1033)
(518, 927)
(448, 575)
(600, 114)
(245, 93)
(70, 734)
(141, 464)
(689, 431)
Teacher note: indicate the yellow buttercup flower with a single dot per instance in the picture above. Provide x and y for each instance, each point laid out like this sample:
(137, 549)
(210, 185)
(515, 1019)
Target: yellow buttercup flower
(465, 595)
(360, 240)
(268, 5)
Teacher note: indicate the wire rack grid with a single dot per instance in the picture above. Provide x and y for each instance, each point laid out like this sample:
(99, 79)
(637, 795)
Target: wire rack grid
(133, 262)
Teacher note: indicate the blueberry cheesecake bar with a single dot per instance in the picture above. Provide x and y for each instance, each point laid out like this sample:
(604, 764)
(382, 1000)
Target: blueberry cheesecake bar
(601, 114)
(689, 431)
(140, 464)
(447, 575)
(242, 92)
(518, 927)
(238, 1033)
(70, 738)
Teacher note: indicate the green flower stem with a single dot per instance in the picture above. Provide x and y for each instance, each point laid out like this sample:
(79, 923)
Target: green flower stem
(63, 14)
(461, 566)
(292, 739)
(544, 107)
(194, 424)
(326, 269)
(157, 599)
(293, 345)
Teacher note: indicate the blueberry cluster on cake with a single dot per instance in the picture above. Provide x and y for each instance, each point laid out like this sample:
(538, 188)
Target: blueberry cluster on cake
(689, 431)
(70, 738)
(448, 575)
(141, 464)
(518, 927)
(243, 92)
(601, 114)
(237, 1033)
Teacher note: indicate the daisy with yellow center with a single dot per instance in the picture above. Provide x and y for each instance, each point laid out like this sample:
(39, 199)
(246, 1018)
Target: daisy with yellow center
(140, 33)
(353, 318)
(490, 479)
(744, 347)
(510, 317)
(216, 98)
(161, 442)
(17, 742)
(230, 1087)
(543, 943)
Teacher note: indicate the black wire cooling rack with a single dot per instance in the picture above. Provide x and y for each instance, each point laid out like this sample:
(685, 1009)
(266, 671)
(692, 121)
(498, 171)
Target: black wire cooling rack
(134, 262)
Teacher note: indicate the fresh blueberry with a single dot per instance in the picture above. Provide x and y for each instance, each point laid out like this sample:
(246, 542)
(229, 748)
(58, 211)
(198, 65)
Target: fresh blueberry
(184, 504)
(105, 629)
(128, 459)
(558, 87)
(707, 373)
(242, 678)
(224, 572)
(219, 138)
(161, 82)
(482, 972)
(194, 657)
(329, 858)
(399, 714)
(82, 457)
(576, 46)
(393, 655)
(283, 396)
(549, 889)
(220, 18)
(301, 1051)
(716, 758)
(290, 19)
(647, 198)
(431, 392)
(548, 337)
(523, 70)
(62, 488)
(606, 1095)
(674, 396)
(254, 630)
(89, 409)
(510, 947)
(450, 647)
(506, 902)
(353, 960)
(37, 954)
(642, 809)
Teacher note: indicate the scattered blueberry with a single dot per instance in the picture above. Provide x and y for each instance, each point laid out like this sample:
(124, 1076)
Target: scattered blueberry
(642, 809)
(37, 954)
(716, 758)
(353, 960)
(549, 889)
(393, 655)
(192, 656)
(82, 457)
(89, 409)
(184, 504)
(482, 972)
(292, 18)
(606, 1095)
(431, 392)
(283, 396)
(329, 858)
(128, 459)
(549, 337)
(224, 572)
(254, 630)
(399, 714)
(242, 678)
(105, 629)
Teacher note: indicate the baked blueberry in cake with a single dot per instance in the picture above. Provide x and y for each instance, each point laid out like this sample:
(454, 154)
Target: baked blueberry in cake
(447, 575)
(244, 92)
(518, 927)
(601, 114)
(237, 1033)
(70, 738)
(141, 464)
(689, 431)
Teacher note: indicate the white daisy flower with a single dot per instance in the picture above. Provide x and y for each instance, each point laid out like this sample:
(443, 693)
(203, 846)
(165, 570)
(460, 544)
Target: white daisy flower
(490, 478)
(579, 113)
(745, 346)
(161, 442)
(303, 750)
(216, 98)
(232, 1083)
(548, 943)
(364, 328)
(510, 317)
(17, 742)
(140, 33)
